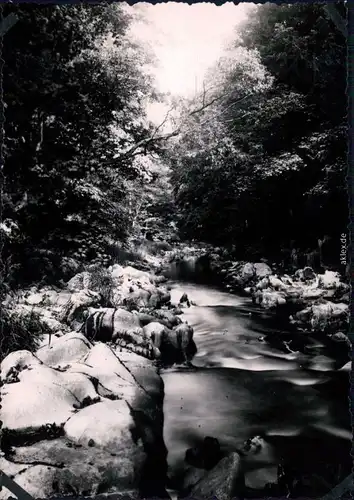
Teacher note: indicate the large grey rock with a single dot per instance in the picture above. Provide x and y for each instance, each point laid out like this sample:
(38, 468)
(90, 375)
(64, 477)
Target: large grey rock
(80, 281)
(262, 270)
(131, 434)
(114, 379)
(15, 362)
(306, 274)
(156, 332)
(78, 304)
(329, 279)
(70, 347)
(169, 319)
(175, 345)
(184, 335)
(110, 409)
(248, 271)
(225, 481)
(84, 470)
(269, 298)
(322, 317)
(42, 396)
(145, 374)
(120, 327)
(107, 323)
(106, 423)
(137, 289)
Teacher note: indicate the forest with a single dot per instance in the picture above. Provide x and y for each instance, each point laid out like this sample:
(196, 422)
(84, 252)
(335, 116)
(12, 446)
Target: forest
(175, 295)
(257, 161)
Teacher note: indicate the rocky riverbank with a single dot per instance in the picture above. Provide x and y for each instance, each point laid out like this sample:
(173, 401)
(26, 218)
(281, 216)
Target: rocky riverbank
(310, 303)
(83, 413)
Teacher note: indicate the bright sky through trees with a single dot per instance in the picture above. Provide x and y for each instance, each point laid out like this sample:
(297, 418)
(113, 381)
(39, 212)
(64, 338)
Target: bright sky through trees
(186, 40)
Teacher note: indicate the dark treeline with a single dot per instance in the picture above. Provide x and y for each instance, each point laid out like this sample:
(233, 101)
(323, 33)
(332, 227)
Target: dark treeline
(262, 165)
(258, 162)
(74, 92)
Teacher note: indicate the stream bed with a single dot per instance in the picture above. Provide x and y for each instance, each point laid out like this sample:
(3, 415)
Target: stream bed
(240, 387)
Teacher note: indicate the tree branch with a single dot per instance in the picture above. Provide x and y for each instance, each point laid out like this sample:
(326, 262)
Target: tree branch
(204, 106)
(135, 150)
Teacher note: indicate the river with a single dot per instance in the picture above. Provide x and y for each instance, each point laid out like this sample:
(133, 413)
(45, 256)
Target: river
(241, 387)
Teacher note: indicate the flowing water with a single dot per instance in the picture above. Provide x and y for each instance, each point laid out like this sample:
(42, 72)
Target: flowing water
(242, 387)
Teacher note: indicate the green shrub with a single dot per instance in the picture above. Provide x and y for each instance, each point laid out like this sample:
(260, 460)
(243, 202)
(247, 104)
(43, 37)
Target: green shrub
(122, 256)
(20, 332)
(101, 281)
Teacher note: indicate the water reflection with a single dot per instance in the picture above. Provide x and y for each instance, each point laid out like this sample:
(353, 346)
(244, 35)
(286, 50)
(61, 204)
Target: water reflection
(242, 387)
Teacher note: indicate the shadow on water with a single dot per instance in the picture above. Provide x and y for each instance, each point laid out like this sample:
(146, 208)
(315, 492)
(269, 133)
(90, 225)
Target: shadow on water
(242, 386)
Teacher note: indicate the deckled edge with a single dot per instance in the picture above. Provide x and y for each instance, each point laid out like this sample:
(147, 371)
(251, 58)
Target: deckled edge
(345, 485)
(350, 177)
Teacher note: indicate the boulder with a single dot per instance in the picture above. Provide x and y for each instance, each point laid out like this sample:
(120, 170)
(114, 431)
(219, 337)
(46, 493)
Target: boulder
(156, 332)
(108, 324)
(176, 311)
(138, 298)
(252, 446)
(276, 283)
(115, 427)
(341, 337)
(123, 375)
(69, 267)
(247, 272)
(306, 274)
(129, 271)
(164, 295)
(102, 358)
(145, 318)
(329, 280)
(262, 270)
(184, 299)
(80, 281)
(70, 347)
(322, 317)
(10, 469)
(120, 327)
(15, 362)
(106, 423)
(36, 480)
(263, 284)
(184, 335)
(36, 298)
(168, 318)
(225, 481)
(43, 315)
(241, 275)
(145, 374)
(312, 293)
(154, 301)
(175, 345)
(42, 396)
(78, 304)
(76, 470)
(269, 299)
(137, 289)
(191, 476)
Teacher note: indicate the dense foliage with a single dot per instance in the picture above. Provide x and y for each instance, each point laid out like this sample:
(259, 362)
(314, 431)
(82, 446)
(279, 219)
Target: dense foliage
(75, 93)
(261, 160)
